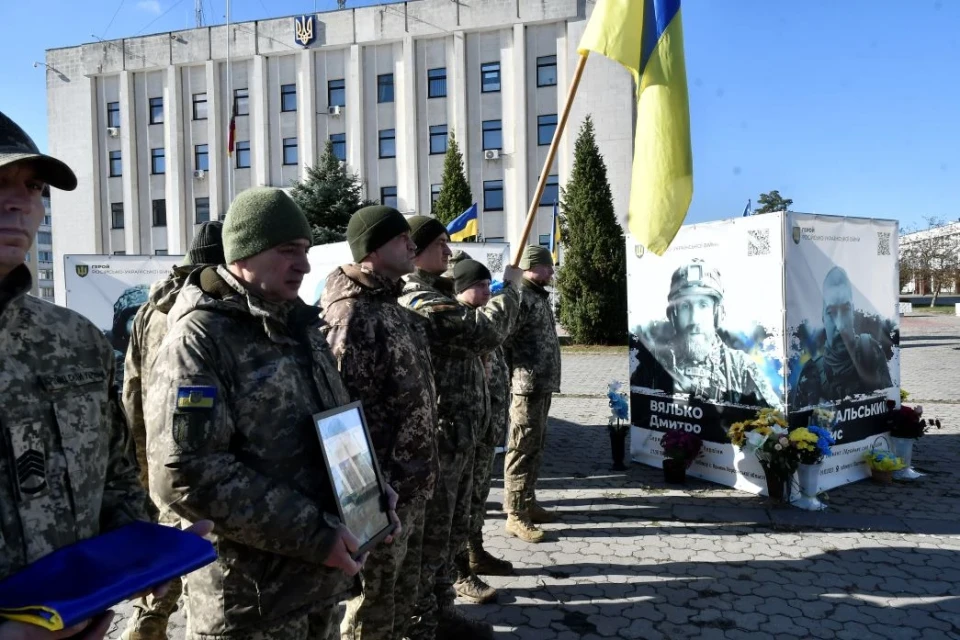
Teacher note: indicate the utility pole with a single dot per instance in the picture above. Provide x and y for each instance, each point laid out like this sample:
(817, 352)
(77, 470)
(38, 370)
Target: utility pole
(198, 13)
(341, 4)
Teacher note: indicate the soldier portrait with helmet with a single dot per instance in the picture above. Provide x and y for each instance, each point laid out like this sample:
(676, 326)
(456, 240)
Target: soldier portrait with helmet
(690, 354)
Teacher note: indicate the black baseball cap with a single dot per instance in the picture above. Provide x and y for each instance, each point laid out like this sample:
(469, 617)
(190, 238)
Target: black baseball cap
(17, 146)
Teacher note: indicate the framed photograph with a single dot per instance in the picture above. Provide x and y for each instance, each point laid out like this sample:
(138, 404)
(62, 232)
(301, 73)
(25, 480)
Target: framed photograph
(354, 474)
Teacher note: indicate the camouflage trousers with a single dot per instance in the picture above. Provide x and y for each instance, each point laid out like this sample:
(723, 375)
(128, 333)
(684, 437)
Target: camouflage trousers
(391, 577)
(482, 475)
(317, 626)
(446, 527)
(526, 440)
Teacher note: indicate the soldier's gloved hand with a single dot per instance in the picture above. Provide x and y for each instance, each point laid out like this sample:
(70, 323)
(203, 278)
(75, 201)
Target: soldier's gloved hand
(513, 275)
(392, 498)
(341, 556)
(93, 629)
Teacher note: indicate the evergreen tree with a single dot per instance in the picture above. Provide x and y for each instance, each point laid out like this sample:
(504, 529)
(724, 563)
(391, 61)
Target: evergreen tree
(593, 279)
(329, 195)
(773, 201)
(455, 196)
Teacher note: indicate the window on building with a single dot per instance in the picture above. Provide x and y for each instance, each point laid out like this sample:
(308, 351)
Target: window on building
(116, 166)
(113, 114)
(493, 195)
(156, 110)
(199, 106)
(545, 240)
(243, 154)
(289, 151)
(339, 143)
(437, 83)
(44, 237)
(241, 102)
(44, 256)
(116, 215)
(551, 192)
(438, 139)
(492, 134)
(46, 293)
(201, 157)
(434, 194)
(158, 161)
(160, 252)
(546, 125)
(159, 213)
(490, 77)
(45, 274)
(337, 93)
(26, 257)
(119, 253)
(47, 220)
(388, 196)
(388, 143)
(288, 97)
(385, 87)
(201, 207)
(547, 71)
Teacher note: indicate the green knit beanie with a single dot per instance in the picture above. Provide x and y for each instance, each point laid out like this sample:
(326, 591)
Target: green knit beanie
(533, 256)
(260, 219)
(372, 227)
(468, 273)
(424, 230)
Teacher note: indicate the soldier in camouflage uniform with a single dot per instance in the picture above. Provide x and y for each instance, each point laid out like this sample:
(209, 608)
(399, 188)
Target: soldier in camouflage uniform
(472, 284)
(231, 437)
(696, 361)
(151, 615)
(851, 363)
(458, 337)
(124, 311)
(67, 470)
(384, 361)
(533, 353)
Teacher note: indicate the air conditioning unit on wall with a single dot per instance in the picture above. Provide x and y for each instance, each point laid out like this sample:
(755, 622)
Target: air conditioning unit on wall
(334, 110)
(199, 174)
(491, 154)
(113, 132)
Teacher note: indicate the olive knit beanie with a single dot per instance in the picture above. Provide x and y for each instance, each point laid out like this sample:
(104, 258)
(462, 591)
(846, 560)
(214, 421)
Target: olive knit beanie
(372, 227)
(533, 256)
(468, 273)
(424, 230)
(260, 219)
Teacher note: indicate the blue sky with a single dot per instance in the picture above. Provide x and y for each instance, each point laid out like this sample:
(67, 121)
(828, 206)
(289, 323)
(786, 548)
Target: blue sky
(849, 108)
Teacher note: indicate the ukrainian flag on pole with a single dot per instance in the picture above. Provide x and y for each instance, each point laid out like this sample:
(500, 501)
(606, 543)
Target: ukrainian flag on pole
(646, 37)
(464, 226)
(555, 238)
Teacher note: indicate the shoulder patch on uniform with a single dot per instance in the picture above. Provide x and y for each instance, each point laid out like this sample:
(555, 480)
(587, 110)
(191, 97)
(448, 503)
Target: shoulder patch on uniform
(196, 398)
(72, 378)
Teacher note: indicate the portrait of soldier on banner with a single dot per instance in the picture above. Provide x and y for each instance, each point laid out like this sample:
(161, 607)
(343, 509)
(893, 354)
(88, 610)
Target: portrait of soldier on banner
(848, 356)
(691, 353)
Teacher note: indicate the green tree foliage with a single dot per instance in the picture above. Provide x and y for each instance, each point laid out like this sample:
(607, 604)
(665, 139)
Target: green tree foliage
(329, 195)
(593, 278)
(773, 201)
(455, 196)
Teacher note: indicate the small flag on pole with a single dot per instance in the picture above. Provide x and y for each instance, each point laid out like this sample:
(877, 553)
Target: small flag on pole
(646, 37)
(464, 226)
(555, 238)
(232, 134)
(746, 210)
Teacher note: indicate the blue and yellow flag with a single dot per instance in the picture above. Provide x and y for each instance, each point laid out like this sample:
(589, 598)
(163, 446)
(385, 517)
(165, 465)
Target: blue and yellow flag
(646, 37)
(465, 225)
(555, 236)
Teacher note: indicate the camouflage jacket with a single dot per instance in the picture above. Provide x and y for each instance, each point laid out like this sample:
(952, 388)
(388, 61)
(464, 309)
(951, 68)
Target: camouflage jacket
(384, 361)
(499, 383)
(864, 371)
(231, 439)
(149, 328)
(459, 336)
(533, 350)
(67, 471)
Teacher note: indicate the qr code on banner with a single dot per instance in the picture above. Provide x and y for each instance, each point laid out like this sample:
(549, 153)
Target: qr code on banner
(883, 243)
(495, 262)
(758, 242)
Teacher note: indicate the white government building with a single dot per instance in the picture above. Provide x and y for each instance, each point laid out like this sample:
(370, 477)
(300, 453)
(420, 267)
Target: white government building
(144, 120)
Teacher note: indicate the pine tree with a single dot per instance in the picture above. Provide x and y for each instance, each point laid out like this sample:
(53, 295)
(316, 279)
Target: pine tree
(329, 195)
(593, 278)
(455, 196)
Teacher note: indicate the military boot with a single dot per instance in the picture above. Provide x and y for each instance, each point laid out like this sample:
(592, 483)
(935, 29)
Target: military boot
(453, 625)
(539, 515)
(473, 589)
(484, 564)
(521, 527)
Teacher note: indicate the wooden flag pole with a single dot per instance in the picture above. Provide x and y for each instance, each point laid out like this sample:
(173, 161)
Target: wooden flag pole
(551, 154)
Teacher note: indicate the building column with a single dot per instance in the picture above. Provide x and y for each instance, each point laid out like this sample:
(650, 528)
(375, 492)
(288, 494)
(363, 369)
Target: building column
(174, 156)
(217, 135)
(354, 109)
(458, 94)
(307, 110)
(515, 183)
(405, 94)
(260, 121)
(128, 154)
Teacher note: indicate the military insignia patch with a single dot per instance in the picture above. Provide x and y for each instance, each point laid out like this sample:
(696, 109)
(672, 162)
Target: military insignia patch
(31, 472)
(196, 398)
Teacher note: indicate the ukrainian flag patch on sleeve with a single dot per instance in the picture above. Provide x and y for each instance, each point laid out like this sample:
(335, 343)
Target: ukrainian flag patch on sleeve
(196, 398)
